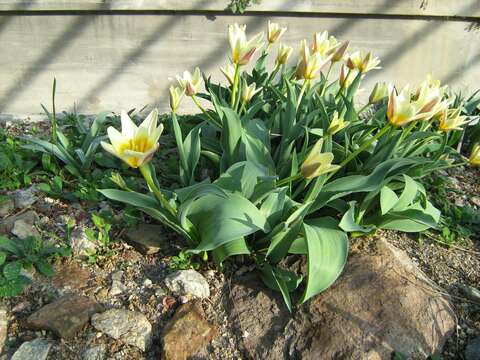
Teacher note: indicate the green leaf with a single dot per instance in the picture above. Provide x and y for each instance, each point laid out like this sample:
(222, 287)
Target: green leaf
(349, 224)
(232, 248)
(11, 271)
(282, 241)
(274, 205)
(408, 195)
(198, 190)
(3, 257)
(327, 249)
(388, 199)
(256, 140)
(44, 267)
(231, 135)
(219, 220)
(191, 147)
(241, 178)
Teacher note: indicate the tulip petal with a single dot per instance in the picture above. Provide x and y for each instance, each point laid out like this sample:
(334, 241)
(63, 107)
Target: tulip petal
(128, 126)
(116, 138)
(150, 121)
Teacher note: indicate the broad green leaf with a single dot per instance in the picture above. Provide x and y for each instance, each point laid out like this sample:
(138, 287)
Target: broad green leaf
(327, 249)
(241, 178)
(388, 199)
(191, 147)
(411, 220)
(232, 248)
(231, 135)
(349, 224)
(3, 257)
(274, 205)
(282, 241)
(256, 141)
(198, 190)
(44, 267)
(11, 271)
(408, 195)
(219, 220)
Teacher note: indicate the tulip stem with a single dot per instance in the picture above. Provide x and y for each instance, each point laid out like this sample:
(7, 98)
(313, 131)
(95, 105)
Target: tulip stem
(147, 175)
(324, 87)
(202, 109)
(363, 108)
(289, 179)
(235, 85)
(302, 91)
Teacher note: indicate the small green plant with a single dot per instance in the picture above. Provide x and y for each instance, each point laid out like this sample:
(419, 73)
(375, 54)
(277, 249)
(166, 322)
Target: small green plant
(27, 253)
(101, 233)
(239, 6)
(183, 261)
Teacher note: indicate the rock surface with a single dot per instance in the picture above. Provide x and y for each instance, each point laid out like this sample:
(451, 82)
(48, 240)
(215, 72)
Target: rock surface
(186, 333)
(25, 198)
(146, 238)
(382, 303)
(95, 353)
(188, 282)
(29, 217)
(70, 276)
(22, 229)
(3, 327)
(80, 244)
(33, 350)
(472, 352)
(65, 316)
(130, 327)
(117, 286)
(6, 206)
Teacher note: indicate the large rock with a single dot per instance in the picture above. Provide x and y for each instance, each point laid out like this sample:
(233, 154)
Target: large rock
(95, 353)
(472, 351)
(80, 244)
(3, 327)
(130, 327)
(22, 229)
(382, 303)
(33, 350)
(188, 282)
(186, 333)
(65, 316)
(26, 197)
(6, 205)
(29, 217)
(146, 238)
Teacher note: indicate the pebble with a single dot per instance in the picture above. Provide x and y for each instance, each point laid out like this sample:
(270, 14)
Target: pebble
(130, 327)
(185, 282)
(33, 350)
(117, 286)
(80, 244)
(147, 238)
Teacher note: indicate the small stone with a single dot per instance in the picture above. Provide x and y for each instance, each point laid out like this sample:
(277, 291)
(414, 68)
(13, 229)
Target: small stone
(25, 198)
(475, 201)
(117, 286)
(95, 353)
(130, 327)
(470, 293)
(22, 230)
(3, 327)
(146, 238)
(186, 333)
(472, 351)
(65, 316)
(29, 217)
(184, 282)
(32, 350)
(80, 244)
(7, 205)
(147, 283)
(460, 202)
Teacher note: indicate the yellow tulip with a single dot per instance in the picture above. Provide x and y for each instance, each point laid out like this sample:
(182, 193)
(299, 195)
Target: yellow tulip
(450, 119)
(248, 91)
(323, 44)
(176, 95)
(317, 163)
(275, 32)
(340, 52)
(283, 54)
(190, 83)
(243, 49)
(135, 145)
(229, 72)
(362, 62)
(337, 124)
(309, 64)
(400, 110)
(474, 159)
(428, 98)
(380, 91)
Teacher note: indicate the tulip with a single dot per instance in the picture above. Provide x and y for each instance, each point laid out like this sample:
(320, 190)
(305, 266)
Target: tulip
(176, 95)
(274, 32)
(248, 91)
(134, 145)
(317, 163)
(310, 64)
(337, 124)
(340, 52)
(400, 110)
(380, 91)
(474, 159)
(345, 76)
(190, 83)
(242, 49)
(323, 44)
(428, 98)
(229, 72)
(361, 62)
(283, 54)
(450, 119)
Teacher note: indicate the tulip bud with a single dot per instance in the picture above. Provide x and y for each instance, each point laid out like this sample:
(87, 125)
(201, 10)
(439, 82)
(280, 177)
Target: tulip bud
(283, 54)
(229, 72)
(248, 91)
(274, 32)
(176, 95)
(310, 64)
(361, 62)
(474, 159)
(337, 124)
(190, 83)
(243, 49)
(379, 92)
(345, 77)
(338, 55)
(317, 163)
(323, 44)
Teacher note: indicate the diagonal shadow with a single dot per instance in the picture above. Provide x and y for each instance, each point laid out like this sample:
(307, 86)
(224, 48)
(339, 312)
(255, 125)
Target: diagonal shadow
(5, 19)
(452, 75)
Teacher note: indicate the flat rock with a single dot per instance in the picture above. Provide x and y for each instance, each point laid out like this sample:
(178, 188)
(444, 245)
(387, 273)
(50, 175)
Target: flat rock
(28, 217)
(130, 327)
(6, 206)
(188, 282)
(146, 238)
(65, 316)
(186, 333)
(95, 353)
(70, 276)
(25, 198)
(3, 327)
(80, 244)
(33, 350)
(472, 351)
(380, 304)
(23, 229)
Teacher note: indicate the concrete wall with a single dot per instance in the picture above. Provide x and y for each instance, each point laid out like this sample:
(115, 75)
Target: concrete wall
(120, 54)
